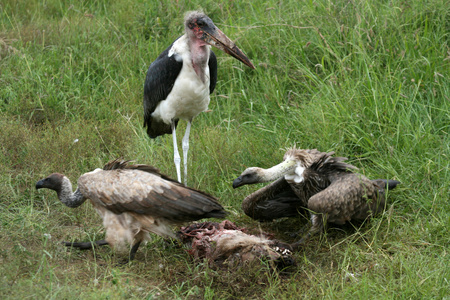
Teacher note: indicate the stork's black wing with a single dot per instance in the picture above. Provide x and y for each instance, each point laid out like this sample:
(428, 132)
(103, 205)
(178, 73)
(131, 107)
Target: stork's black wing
(212, 64)
(161, 76)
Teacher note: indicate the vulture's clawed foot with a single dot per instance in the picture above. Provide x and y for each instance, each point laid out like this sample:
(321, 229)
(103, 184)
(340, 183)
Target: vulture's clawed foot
(123, 262)
(130, 257)
(173, 243)
(302, 242)
(317, 226)
(298, 233)
(298, 245)
(293, 235)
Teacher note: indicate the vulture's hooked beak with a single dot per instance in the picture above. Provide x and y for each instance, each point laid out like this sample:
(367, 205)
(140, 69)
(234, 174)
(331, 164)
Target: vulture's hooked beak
(40, 184)
(238, 182)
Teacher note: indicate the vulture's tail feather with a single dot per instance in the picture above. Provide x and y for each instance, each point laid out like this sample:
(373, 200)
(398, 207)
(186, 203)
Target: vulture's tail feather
(389, 184)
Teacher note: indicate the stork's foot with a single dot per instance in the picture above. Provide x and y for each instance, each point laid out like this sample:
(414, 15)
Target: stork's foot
(85, 245)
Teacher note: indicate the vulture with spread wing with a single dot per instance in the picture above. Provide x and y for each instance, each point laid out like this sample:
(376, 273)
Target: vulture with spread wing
(318, 182)
(133, 200)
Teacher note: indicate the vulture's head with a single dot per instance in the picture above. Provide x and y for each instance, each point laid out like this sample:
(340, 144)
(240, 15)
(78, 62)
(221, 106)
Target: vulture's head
(288, 167)
(53, 181)
(249, 176)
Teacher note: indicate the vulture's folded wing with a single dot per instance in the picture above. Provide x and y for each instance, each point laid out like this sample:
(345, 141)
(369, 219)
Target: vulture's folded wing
(137, 191)
(350, 196)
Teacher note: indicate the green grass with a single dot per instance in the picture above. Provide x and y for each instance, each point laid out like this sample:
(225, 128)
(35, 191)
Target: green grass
(367, 79)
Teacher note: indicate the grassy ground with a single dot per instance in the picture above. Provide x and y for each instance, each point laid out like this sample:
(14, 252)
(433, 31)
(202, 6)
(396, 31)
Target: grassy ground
(367, 79)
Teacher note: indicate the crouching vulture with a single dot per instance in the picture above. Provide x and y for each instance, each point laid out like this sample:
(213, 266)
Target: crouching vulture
(324, 185)
(133, 200)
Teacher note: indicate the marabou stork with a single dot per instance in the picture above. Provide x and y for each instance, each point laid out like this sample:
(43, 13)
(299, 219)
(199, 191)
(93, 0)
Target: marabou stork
(316, 181)
(179, 81)
(133, 200)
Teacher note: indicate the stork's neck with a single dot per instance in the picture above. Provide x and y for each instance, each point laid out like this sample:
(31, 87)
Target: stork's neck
(287, 167)
(69, 198)
(199, 56)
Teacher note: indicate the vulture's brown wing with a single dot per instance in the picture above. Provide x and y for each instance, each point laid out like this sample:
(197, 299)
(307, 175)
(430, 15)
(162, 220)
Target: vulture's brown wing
(349, 196)
(275, 200)
(137, 191)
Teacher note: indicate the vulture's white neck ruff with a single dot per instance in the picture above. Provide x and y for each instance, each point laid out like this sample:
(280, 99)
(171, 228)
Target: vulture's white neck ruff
(297, 175)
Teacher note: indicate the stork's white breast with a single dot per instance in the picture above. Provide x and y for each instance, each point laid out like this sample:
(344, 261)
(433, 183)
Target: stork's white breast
(189, 95)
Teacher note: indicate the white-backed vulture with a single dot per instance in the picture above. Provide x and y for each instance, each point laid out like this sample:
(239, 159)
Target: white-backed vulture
(133, 200)
(318, 182)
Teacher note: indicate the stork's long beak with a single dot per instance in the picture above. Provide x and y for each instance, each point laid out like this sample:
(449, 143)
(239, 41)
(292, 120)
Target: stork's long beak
(215, 37)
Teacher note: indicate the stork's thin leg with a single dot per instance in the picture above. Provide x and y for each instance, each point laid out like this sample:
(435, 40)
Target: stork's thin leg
(176, 154)
(185, 145)
(85, 245)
